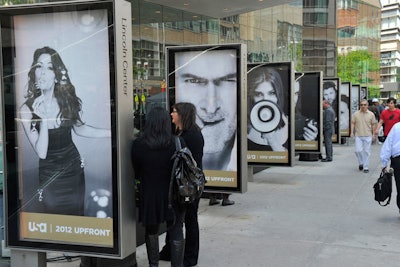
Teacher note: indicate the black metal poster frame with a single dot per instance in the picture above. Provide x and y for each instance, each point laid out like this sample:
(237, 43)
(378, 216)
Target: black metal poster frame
(308, 111)
(270, 139)
(345, 109)
(212, 76)
(331, 92)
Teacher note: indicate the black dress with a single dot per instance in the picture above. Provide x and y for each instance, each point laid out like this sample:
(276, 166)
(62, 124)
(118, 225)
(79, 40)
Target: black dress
(153, 169)
(61, 175)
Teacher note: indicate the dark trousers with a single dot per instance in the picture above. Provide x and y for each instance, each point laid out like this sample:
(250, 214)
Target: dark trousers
(192, 234)
(174, 228)
(395, 164)
(328, 144)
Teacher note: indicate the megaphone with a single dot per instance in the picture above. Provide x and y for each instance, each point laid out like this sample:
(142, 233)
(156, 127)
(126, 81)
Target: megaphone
(265, 116)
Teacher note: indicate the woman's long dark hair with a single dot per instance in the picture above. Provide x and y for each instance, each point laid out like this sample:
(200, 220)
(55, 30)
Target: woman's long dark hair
(261, 74)
(157, 132)
(70, 104)
(187, 116)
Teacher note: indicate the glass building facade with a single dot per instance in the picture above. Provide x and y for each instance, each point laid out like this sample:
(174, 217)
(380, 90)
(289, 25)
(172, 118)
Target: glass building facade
(310, 32)
(358, 28)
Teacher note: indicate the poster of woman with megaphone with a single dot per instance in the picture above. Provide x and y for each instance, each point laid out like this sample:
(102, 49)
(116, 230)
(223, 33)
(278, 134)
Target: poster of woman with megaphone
(269, 130)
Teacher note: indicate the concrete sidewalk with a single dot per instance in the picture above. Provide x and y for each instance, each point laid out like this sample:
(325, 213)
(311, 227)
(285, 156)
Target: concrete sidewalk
(313, 214)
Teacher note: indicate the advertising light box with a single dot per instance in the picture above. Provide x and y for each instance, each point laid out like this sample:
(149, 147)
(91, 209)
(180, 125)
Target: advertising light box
(212, 78)
(270, 139)
(308, 111)
(345, 109)
(330, 93)
(66, 98)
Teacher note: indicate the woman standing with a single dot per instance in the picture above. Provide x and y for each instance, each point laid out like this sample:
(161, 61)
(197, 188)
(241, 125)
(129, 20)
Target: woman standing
(151, 158)
(184, 118)
(49, 114)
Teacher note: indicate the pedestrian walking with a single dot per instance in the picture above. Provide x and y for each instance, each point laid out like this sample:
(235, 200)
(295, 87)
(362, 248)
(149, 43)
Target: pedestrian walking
(391, 151)
(363, 128)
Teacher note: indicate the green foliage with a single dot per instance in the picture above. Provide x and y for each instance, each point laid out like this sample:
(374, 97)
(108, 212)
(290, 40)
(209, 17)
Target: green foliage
(373, 91)
(355, 66)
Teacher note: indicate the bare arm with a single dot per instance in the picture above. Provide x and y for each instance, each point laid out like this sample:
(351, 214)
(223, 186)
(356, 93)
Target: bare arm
(85, 130)
(378, 126)
(38, 139)
(352, 129)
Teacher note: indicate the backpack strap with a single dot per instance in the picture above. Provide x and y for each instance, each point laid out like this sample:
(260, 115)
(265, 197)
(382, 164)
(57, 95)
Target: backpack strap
(178, 144)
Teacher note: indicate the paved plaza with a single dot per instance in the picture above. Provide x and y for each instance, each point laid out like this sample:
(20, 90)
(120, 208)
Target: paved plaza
(313, 214)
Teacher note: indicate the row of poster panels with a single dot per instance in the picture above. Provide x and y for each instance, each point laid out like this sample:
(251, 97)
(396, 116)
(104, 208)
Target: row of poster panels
(282, 108)
(265, 111)
(68, 175)
(350, 98)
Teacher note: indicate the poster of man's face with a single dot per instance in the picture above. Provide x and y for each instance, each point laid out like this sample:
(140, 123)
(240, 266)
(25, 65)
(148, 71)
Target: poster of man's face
(345, 109)
(331, 93)
(364, 93)
(307, 89)
(269, 130)
(210, 79)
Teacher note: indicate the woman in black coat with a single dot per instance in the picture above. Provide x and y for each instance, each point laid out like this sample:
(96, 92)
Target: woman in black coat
(184, 118)
(151, 157)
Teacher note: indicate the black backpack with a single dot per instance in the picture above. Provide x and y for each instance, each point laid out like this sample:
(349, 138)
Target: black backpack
(187, 180)
(383, 187)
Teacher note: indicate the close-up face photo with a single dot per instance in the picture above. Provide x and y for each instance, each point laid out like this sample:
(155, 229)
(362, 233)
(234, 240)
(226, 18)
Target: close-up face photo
(265, 91)
(44, 72)
(330, 94)
(212, 89)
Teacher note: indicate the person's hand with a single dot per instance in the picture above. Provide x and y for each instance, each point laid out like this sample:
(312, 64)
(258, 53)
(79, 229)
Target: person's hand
(276, 139)
(39, 107)
(310, 132)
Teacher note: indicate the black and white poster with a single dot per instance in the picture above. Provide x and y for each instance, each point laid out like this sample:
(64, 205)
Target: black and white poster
(345, 109)
(308, 118)
(59, 79)
(215, 90)
(270, 114)
(331, 94)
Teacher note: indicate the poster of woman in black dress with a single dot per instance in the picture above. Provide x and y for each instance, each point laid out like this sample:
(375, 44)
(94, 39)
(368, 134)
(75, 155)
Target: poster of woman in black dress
(63, 106)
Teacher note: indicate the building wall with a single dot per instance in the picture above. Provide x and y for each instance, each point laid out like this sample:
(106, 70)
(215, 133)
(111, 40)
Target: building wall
(359, 29)
(290, 32)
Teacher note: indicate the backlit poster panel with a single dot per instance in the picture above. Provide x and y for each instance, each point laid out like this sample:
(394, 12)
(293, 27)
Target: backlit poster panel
(212, 78)
(60, 123)
(355, 98)
(363, 93)
(270, 114)
(330, 93)
(307, 111)
(345, 109)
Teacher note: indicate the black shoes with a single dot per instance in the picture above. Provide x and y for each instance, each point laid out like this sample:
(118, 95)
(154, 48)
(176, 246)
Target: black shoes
(326, 160)
(213, 201)
(360, 167)
(366, 171)
(227, 202)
